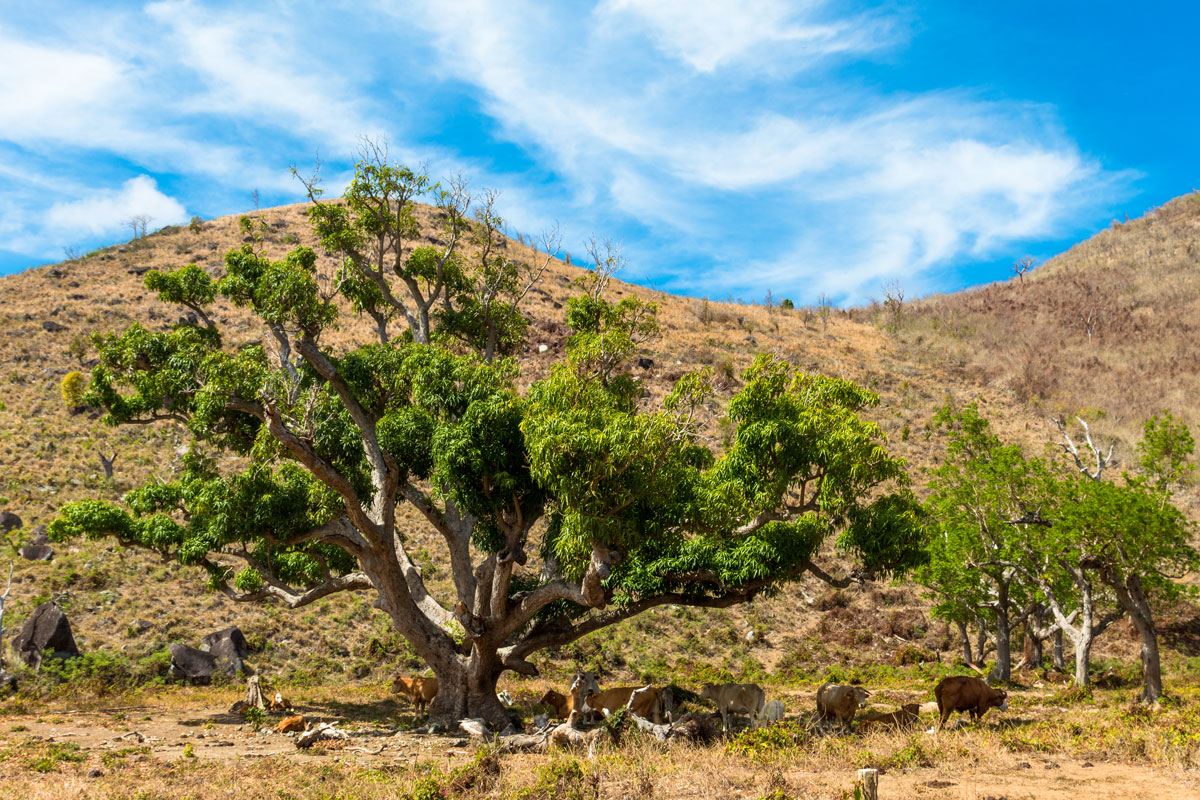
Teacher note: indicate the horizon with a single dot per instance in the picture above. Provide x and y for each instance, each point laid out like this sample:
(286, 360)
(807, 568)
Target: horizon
(807, 149)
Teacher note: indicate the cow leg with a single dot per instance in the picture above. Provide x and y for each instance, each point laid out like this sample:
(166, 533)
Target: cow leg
(945, 716)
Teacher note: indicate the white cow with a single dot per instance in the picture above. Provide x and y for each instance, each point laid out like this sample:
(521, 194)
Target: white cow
(735, 698)
(772, 712)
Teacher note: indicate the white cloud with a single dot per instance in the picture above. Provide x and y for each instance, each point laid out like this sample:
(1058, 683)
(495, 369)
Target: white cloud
(715, 139)
(108, 210)
(709, 34)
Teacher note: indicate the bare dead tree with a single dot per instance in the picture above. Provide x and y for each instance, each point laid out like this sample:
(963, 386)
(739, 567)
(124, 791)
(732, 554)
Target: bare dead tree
(1091, 320)
(107, 463)
(607, 260)
(893, 294)
(1023, 265)
(1098, 459)
(138, 225)
(824, 309)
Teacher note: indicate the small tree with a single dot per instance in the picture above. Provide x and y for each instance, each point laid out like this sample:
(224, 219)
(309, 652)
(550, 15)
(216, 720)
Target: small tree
(1023, 265)
(72, 388)
(980, 488)
(623, 504)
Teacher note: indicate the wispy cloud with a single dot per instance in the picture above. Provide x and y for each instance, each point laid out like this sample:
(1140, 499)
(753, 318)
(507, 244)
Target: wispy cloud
(728, 145)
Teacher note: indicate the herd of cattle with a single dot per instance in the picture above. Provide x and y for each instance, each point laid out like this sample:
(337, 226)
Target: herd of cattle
(836, 704)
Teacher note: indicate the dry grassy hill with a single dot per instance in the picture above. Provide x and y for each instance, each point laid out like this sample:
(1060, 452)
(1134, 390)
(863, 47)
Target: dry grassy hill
(957, 347)
(1108, 330)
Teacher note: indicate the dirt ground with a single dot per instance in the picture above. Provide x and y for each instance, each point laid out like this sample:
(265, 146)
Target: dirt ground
(196, 750)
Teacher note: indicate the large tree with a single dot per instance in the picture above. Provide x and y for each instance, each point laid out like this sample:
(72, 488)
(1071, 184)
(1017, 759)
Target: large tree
(563, 509)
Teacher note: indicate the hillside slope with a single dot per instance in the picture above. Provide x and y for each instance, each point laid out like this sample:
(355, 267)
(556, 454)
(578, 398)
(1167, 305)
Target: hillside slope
(49, 455)
(1108, 330)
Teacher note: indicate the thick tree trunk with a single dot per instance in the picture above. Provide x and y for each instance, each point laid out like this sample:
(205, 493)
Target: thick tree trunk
(1056, 653)
(462, 694)
(1033, 653)
(1133, 599)
(1083, 659)
(1002, 671)
(965, 638)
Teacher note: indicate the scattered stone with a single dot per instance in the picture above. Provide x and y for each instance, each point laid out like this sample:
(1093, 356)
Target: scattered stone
(543, 348)
(52, 326)
(95, 773)
(1024, 765)
(1087, 764)
(294, 724)
(37, 552)
(192, 665)
(476, 727)
(10, 522)
(8, 683)
(228, 647)
(645, 363)
(939, 784)
(46, 628)
(1052, 765)
(437, 727)
(39, 535)
(139, 270)
(460, 743)
(142, 625)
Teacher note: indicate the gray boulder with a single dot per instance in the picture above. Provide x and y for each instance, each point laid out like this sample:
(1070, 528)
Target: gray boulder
(52, 326)
(40, 535)
(192, 665)
(46, 629)
(37, 552)
(10, 522)
(229, 648)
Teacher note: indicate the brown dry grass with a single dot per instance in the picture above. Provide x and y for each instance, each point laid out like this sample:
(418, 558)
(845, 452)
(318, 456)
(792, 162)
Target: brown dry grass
(1040, 748)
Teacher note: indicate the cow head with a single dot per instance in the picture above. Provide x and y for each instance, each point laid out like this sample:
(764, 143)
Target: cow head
(999, 699)
(708, 691)
(585, 683)
(910, 711)
(860, 696)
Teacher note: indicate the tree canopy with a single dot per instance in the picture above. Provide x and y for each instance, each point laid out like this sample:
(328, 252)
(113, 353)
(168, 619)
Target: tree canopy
(342, 452)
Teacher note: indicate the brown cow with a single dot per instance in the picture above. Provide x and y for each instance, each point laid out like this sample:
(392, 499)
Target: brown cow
(647, 704)
(967, 693)
(840, 703)
(419, 690)
(560, 702)
(906, 716)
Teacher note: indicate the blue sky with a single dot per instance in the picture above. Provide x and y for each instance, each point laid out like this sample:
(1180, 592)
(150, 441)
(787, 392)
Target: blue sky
(805, 148)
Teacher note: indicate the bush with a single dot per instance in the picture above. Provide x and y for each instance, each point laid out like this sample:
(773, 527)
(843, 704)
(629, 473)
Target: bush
(100, 673)
(73, 384)
(196, 225)
(787, 304)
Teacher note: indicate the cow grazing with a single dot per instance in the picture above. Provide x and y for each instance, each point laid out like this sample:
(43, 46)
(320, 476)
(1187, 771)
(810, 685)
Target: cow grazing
(420, 691)
(645, 701)
(840, 703)
(772, 712)
(735, 698)
(906, 716)
(967, 693)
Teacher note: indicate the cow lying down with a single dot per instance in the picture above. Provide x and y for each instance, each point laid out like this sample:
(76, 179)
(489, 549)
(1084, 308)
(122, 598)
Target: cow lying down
(906, 716)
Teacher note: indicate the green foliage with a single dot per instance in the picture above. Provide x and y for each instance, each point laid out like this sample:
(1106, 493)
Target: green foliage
(564, 778)
(787, 305)
(1165, 449)
(55, 754)
(255, 716)
(196, 224)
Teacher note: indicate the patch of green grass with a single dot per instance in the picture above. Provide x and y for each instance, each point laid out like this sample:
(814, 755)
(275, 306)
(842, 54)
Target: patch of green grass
(57, 753)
